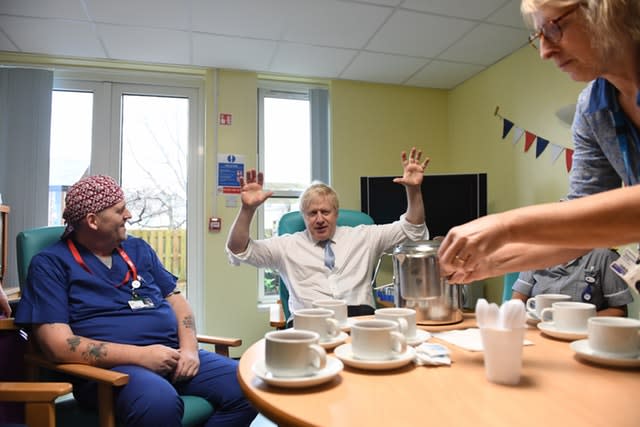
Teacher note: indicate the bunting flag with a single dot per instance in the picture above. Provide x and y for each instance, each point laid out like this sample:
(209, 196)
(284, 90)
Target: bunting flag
(556, 150)
(528, 140)
(541, 143)
(568, 158)
(517, 134)
(506, 127)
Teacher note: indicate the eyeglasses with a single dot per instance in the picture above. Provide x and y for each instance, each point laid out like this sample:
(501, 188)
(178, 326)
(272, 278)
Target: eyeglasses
(551, 30)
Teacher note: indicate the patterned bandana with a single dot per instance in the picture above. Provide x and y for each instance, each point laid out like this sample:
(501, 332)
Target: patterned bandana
(90, 195)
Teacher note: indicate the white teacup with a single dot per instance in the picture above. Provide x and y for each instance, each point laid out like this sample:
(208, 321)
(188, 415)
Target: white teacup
(569, 316)
(293, 353)
(319, 320)
(377, 340)
(339, 307)
(536, 304)
(614, 336)
(405, 317)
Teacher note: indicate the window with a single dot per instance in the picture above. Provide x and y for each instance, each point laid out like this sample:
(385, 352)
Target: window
(148, 137)
(293, 151)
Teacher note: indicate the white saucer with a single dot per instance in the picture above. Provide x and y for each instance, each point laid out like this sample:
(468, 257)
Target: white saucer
(549, 329)
(344, 353)
(421, 336)
(333, 368)
(583, 351)
(331, 343)
(532, 319)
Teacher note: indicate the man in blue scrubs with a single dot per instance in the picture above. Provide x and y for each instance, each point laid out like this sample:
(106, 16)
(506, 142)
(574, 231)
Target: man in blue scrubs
(103, 298)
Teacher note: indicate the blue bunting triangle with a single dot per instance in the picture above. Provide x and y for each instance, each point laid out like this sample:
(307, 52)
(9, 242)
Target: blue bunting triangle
(541, 145)
(506, 127)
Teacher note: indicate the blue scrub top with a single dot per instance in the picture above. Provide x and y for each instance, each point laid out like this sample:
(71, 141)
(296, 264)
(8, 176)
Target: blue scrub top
(95, 304)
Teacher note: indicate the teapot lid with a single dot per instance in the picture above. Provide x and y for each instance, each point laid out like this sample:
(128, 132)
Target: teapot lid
(427, 247)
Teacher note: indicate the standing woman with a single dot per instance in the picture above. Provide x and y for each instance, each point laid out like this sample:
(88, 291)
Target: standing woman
(596, 41)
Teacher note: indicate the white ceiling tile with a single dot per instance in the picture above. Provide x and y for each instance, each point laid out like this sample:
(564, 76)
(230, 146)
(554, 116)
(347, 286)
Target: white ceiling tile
(310, 61)
(444, 75)
(418, 34)
(509, 14)
(53, 37)
(370, 40)
(231, 52)
(247, 18)
(472, 9)
(391, 3)
(384, 68)
(63, 9)
(143, 13)
(331, 23)
(148, 45)
(486, 44)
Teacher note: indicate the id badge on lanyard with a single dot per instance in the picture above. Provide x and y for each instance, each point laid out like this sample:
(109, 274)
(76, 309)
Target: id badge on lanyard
(628, 267)
(136, 302)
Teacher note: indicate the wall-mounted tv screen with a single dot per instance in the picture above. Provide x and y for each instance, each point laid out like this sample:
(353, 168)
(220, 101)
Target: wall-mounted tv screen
(449, 199)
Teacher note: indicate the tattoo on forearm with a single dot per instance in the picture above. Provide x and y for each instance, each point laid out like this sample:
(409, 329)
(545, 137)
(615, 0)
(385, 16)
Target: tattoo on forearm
(74, 342)
(95, 352)
(189, 323)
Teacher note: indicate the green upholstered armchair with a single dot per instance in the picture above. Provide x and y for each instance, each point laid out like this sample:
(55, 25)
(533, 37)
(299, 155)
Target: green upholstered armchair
(292, 222)
(196, 409)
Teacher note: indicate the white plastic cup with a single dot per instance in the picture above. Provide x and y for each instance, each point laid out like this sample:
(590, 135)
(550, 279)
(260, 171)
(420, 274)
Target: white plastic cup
(503, 354)
(292, 353)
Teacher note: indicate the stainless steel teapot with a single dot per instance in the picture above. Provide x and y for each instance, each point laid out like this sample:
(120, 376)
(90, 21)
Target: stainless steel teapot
(418, 285)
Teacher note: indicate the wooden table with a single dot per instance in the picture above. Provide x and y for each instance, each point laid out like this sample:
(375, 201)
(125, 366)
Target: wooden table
(556, 389)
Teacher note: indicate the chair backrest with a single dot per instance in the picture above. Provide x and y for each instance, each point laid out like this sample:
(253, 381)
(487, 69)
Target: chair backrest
(292, 222)
(507, 285)
(30, 242)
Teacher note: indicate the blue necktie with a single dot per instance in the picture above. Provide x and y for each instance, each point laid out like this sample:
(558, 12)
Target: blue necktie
(329, 257)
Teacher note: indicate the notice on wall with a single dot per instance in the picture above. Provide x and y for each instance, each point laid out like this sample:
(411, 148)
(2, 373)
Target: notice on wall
(230, 166)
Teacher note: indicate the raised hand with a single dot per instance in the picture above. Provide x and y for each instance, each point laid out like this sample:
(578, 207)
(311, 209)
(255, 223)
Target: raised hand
(251, 191)
(413, 168)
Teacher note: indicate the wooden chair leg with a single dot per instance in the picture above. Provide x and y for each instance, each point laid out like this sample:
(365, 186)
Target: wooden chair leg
(105, 405)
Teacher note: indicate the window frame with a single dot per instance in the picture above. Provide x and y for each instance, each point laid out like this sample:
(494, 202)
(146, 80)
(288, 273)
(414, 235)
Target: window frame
(108, 87)
(318, 97)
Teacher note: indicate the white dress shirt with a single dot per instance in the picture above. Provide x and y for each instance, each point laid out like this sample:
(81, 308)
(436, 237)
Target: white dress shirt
(300, 260)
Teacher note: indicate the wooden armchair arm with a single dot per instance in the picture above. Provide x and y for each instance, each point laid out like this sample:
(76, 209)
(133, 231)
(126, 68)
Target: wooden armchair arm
(105, 378)
(221, 344)
(87, 372)
(7, 324)
(38, 399)
(32, 391)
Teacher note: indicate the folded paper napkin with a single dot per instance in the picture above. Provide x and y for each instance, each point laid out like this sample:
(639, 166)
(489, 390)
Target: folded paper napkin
(468, 339)
(432, 354)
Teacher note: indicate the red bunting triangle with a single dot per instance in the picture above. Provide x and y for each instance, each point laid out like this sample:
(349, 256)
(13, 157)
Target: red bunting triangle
(568, 158)
(528, 140)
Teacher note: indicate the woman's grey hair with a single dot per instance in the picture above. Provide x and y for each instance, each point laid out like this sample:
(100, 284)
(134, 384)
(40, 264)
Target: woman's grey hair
(609, 21)
(318, 189)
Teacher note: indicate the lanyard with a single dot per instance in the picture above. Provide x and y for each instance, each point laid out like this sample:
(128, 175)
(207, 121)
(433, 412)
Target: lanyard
(131, 272)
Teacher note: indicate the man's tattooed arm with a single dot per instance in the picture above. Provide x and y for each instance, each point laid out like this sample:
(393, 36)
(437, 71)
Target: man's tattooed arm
(189, 323)
(93, 353)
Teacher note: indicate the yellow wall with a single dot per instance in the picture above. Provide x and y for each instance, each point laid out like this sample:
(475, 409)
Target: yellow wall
(371, 124)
